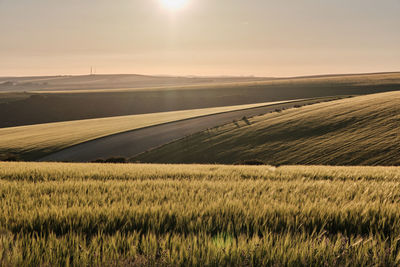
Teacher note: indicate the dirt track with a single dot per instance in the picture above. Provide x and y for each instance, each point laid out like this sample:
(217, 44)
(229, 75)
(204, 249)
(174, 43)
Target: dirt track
(134, 142)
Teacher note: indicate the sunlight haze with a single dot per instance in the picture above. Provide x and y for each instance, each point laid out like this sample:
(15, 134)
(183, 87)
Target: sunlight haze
(199, 37)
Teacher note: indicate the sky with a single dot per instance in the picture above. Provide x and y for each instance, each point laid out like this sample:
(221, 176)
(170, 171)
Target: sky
(201, 37)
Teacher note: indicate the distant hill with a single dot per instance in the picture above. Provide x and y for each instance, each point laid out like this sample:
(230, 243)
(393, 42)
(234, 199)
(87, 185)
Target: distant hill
(124, 82)
(364, 130)
(108, 82)
(84, 102)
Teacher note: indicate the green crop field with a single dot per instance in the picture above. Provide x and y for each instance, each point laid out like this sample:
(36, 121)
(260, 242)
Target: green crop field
(363, 130)
(54, 214)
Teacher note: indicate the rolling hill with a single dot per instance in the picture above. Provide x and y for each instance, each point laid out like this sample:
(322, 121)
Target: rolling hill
(364, 130)
(130, 143)
(98, 96)
(109, 82)
(34, 141)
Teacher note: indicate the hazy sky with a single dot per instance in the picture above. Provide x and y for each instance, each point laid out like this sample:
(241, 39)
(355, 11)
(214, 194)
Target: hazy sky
(205, 37)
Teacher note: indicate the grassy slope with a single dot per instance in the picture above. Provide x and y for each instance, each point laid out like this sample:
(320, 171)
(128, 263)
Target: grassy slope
(160, 215)
(28, 108)
(359, 131)
(37, 140)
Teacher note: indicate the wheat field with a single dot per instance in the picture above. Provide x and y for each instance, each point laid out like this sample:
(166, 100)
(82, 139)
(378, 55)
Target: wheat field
(55, 214)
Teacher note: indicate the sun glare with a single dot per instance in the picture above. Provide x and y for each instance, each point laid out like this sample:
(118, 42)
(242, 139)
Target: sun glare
(174, 4)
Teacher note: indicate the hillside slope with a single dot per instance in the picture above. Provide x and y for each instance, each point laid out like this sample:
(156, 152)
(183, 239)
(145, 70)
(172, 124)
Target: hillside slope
(364, 130)
(35, 141)
(18, 109)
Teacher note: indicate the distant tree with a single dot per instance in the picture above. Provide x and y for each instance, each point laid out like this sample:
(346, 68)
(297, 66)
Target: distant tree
(11, 159)
(116, 160)
(111, 160)
(254, 162)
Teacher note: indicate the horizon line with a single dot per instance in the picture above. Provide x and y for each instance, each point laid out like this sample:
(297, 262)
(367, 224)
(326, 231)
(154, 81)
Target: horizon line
(206, 76)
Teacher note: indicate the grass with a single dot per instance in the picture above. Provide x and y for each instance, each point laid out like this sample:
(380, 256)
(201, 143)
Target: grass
(356, 131)
(34, 141)
(198, 215)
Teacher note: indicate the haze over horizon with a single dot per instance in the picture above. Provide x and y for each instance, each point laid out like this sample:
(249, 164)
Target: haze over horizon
(199, 37)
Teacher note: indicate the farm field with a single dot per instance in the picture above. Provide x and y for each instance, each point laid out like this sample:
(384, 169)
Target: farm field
(125, 145)
(199, 133)
(55, 214)
(98, 96)
(363, 130)
(35, 141)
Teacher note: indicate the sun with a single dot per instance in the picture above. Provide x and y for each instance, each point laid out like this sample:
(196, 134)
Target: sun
(173, 4)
